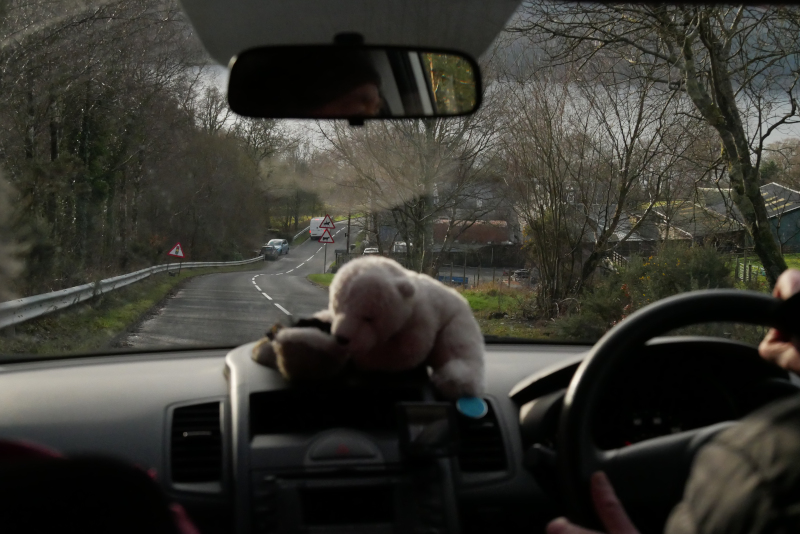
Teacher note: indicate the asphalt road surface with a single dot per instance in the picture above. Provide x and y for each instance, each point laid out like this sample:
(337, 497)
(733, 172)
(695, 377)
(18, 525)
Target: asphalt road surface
(235, 308)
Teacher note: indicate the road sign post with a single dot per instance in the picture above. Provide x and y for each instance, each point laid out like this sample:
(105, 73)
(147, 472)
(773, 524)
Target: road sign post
(347, 235)
(325, 239)
(177, 252)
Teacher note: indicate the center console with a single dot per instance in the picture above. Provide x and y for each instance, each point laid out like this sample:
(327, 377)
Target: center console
(364, 455)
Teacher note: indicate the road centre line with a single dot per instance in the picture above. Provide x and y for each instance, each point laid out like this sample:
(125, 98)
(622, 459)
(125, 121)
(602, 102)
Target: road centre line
(290, 270)
(258, 288)
(270, 298)
(311, 258)
(281, 308)
(300, 265)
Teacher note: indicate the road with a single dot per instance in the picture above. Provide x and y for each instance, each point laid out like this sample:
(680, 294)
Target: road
(234, 308)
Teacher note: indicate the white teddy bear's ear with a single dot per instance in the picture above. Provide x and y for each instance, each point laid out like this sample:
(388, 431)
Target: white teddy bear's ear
(406, 288)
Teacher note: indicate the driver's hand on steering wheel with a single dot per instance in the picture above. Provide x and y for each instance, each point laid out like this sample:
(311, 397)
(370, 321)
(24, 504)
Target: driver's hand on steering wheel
(608, 507)
(777, 347)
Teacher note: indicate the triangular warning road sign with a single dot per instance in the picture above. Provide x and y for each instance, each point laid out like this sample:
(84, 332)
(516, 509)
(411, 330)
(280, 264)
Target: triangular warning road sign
(176, 251)
(326, 237)
(327, 222)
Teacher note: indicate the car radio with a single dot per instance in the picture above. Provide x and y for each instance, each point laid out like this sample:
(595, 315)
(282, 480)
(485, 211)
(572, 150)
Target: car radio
(358, 483)
(361, 454)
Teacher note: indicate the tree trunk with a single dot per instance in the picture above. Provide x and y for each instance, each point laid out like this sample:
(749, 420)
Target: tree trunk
(722, 114)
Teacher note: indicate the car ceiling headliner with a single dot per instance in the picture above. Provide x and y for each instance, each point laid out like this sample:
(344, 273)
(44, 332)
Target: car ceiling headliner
(228, 27)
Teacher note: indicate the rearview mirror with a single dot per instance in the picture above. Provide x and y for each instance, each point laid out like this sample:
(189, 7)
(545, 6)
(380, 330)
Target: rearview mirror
(352, 82)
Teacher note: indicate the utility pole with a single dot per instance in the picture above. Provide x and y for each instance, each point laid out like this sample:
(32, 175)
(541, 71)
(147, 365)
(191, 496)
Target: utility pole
(451, 267)
(493, 264)
(348, 233)
(465, 268)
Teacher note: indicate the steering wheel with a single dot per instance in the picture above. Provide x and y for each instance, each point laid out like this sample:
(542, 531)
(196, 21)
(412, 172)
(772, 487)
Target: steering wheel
(662, 463)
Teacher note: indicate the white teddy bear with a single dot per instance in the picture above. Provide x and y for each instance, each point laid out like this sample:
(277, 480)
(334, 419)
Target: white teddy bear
(382, 317)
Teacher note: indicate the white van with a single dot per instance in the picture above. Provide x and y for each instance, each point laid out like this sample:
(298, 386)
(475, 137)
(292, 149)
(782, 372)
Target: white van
(313, 227)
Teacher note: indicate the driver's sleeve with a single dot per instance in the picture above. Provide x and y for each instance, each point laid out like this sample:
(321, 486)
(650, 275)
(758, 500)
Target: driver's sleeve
(747, 480)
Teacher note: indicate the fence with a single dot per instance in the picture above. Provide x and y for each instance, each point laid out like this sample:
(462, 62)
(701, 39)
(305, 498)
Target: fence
(18, 311)
(747, 272)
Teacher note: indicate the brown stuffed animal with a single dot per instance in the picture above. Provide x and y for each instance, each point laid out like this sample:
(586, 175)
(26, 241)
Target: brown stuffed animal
(304, 351)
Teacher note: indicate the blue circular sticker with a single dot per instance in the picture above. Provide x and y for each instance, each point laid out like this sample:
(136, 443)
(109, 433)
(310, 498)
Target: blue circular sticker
(472, 407)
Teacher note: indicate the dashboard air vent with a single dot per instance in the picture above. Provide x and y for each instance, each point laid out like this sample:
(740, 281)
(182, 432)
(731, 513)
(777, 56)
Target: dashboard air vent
(196, 443)
(482, 448)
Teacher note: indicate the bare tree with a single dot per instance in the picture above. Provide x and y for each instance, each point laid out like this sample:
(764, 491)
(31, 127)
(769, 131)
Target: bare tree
(587, 162)
(419, 172)
(734, 64)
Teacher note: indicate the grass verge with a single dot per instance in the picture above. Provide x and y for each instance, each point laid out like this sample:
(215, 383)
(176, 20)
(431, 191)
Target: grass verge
(99, 322)
(500, 311)
(300, 240)
(323, 280)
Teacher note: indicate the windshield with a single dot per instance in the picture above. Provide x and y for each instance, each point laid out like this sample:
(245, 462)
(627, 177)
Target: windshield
(606, 169)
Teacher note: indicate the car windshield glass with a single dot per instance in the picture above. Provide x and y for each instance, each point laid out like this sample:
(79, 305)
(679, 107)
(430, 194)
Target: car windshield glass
(619, 157)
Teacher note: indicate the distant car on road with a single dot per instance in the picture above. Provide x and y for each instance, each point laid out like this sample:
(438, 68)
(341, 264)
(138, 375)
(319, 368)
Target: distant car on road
(275, 248)
(313, 227)
(521, 274)
(369, 251)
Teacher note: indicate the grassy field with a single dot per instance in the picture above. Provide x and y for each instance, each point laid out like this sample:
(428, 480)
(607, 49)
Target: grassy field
(500, 311)
(100, 322)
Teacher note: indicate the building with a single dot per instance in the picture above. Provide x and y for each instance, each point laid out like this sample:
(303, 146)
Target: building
(473, 234)
(783, 211)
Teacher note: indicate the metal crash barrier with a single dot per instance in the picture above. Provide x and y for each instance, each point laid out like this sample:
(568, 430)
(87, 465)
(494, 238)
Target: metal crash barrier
(14, 312)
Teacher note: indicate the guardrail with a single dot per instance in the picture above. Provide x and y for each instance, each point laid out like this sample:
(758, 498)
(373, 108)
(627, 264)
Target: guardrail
(304, 230)
(14, 312)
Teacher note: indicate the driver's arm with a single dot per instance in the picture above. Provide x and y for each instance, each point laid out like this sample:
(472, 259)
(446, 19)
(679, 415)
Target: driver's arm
(747, 480)
(777, 347)
(609, 510)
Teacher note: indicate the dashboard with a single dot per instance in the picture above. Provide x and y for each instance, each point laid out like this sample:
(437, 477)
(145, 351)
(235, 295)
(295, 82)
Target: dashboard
(244, 452)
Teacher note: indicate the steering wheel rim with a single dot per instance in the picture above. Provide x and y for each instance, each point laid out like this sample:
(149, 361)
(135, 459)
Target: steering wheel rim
(578, 457)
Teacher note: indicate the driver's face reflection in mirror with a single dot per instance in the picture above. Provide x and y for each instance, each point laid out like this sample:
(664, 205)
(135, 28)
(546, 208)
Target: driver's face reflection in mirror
(361, 101)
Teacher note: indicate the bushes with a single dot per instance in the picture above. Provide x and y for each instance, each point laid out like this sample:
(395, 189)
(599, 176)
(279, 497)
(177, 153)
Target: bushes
(673, 269)
(599, 309)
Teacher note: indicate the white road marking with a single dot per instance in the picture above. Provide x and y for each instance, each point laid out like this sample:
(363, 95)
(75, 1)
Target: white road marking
(300, 265)
(311, 258)
(320, 248)
(258, 288)
(281, 308)
(290, 270)
(270, 298)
